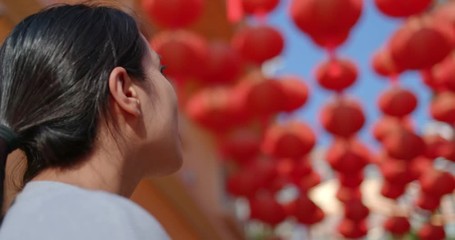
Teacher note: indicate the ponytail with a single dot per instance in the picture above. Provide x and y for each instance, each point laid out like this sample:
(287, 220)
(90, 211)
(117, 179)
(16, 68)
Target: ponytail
(9, 141)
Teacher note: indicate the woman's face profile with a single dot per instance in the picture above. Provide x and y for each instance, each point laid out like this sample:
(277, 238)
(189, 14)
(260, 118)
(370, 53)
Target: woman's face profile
(159, 105)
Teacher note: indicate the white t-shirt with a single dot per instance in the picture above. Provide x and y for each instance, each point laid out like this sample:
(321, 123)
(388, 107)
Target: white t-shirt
(47, 210)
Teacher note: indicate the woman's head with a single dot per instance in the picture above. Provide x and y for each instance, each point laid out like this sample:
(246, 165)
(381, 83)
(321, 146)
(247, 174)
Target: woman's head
(72, 73)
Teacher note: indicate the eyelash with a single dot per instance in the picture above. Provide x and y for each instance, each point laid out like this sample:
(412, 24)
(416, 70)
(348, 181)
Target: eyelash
(162, 68)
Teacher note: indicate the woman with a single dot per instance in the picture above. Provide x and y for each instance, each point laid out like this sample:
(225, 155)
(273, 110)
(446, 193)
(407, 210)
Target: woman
(83, 96)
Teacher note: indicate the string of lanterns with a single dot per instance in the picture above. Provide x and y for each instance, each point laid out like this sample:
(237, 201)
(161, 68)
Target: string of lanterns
(222, 88)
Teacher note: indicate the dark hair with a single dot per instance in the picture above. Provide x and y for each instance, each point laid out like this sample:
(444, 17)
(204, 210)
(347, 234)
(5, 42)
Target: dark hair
(54, 70)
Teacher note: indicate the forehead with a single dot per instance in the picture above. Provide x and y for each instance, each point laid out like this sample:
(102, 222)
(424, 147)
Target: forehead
(151, 57)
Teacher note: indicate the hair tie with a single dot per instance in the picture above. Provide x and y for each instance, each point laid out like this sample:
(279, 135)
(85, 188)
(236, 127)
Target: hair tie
(10, 137)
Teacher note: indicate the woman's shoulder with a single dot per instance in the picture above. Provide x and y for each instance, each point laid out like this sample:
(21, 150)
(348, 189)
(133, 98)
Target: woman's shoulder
(55, 209)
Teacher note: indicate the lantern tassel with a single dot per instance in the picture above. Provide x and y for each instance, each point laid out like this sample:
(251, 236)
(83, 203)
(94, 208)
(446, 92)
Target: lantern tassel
(234, 10)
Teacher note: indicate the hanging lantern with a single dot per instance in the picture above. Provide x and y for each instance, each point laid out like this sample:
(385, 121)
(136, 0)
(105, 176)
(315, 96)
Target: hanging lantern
(355, 210)
(382, 63)
(182, 52)
(420, 44)
(241, 145)
(258, 43)
(402, 8)
(437, 183)
(445, 12)
(242, 183)
(397, 225)
(343, 118)
(397, 171)
(397, 102)
(173, 14)
(428, 202)
(291, 140)
(305, 210)
(351, 180)
(392, 190)
(442, 76)
(420, 164)
(299, 169)
(295, 91)
(265, 208)
(435, 145)
(259, 7)
(330, 40)
(403, 144)
(336, 74)
(261, 97)
(308, 182)
(352, 229)
(215, 109)
(324, 19)
(431, 232)
(222, 66)
(442, 107)
(386, 125)
(347, 157)
(345, 194)
(252, 177)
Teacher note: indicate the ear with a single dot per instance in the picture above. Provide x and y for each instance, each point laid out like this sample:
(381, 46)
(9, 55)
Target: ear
(123, 91)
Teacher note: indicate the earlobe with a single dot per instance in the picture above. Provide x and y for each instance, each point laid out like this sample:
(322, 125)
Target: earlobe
(123, 91)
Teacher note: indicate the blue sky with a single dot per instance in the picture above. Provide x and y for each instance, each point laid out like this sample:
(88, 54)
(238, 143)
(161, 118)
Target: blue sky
(301, 56)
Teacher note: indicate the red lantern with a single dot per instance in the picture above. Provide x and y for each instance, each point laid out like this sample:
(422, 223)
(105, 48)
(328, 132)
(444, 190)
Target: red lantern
(428, 202)
(173, 13)
(442, 107)
(261, 97)
(397, 102)
(290, 140)
(446, 149)
(324, 19)
(265, 208)
(402, 8)
(347, 157)
(215, 109)
(330, 40)
(431, 232)
(258, 43)
(295, 91)
(397, 225)
(445, 12)
(182, 52)
(437, 183)
(241, 145)
(223, 64)
(351, 180)
(305, 210)
(252, 177)
(336, 74)
(385, 125)
(352, 229)
(308, 182)
(345, 194)
(397, 171)
(342, 118)
(435, 146)
(442, 76)
(403, 144)
(383, 64)
(420, 44)
(299, 170)
(420, 164)
(392, 190)
(259, 7)
(355, 210)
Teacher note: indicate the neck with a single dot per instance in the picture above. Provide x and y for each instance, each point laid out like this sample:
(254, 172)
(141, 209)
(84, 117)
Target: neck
(101, 170)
